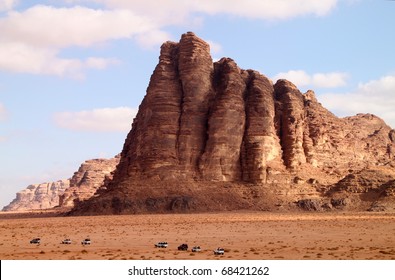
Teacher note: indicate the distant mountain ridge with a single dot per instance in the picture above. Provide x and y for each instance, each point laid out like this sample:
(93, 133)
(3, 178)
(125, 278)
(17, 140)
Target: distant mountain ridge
(83, 184)
(38, 196)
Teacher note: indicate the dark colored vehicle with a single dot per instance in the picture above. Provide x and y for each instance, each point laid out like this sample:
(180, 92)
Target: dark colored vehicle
(35, 241)
(183, 247)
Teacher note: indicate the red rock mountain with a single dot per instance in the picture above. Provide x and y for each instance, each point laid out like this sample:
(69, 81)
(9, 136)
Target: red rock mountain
(87, 180)
(211, 136)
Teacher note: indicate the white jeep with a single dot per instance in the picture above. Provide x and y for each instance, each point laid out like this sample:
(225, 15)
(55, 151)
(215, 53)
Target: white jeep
(219, 251)
(196, 249)
(66, 241)
(86, 241)
(161, 245)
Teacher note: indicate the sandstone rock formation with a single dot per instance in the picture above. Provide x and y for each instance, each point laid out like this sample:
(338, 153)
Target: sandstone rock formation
(38, 196)
(89, 177)
(373, 188)
(212, 136)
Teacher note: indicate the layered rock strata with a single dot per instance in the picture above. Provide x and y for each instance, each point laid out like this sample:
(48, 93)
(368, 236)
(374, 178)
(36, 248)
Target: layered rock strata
(38, 196)
(208, 122)
(218, 122)
(90, 176)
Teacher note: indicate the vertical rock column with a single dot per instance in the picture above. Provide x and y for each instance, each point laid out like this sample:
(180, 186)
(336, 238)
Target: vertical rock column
(150, 147)
(291, 118)
(195, 67)
(261, 145)
(221, 159)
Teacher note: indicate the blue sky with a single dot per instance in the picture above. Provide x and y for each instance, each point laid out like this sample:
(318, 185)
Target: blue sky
(73, 72)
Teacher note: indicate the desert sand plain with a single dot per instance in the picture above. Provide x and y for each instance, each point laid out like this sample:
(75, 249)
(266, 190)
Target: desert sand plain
(243, 235)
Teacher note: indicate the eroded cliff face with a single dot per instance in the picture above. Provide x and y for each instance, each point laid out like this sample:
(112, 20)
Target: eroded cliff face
(38, 196)
(201, 120)
(90, 176)
(214, 121)
(203, 123)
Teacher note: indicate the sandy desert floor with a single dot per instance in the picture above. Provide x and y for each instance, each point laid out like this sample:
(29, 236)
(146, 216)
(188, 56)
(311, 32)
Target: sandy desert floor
(243, 235)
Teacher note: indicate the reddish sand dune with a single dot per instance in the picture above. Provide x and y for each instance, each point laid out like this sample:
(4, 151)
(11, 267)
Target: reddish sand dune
(243, 235)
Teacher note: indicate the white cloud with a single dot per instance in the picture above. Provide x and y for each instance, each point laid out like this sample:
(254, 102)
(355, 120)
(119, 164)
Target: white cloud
(99, 63)
(299, 77)
(175, 11)
(164, 13)
(214, 46)
(152, 38)
(21, 58)
(77, 26)
(376, 97)
(3, 113)
(330, 80)
(318, 80)
(31, 40)
(97, 120)
(39, 34)
(271, 9)
(6, 5)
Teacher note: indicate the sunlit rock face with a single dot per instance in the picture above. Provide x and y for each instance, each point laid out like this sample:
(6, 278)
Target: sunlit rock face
(38, 196)
(205, 126)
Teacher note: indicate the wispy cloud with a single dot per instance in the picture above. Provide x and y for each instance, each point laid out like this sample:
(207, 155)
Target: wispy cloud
(214, 47)
(175, 11)
(31, 40)
(317, 80)
(97, 120)
(47, 26)
(152, 38)
(376, 97)
(6, 5)
(268, 10)
(23, 58)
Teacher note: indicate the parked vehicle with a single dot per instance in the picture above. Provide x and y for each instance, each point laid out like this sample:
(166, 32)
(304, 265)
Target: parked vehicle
(35, 241)
(196, 249)
(66, 241)
(161, 245)
(183, 247)
(86, 241)
(219, 251)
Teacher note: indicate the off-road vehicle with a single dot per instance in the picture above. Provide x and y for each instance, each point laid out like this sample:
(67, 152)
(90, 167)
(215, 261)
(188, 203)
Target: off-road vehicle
(161, 245)
(196, 249)
(86, 241)
(35, 241)
(183, 247)
(66, 241)
(219, 251)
